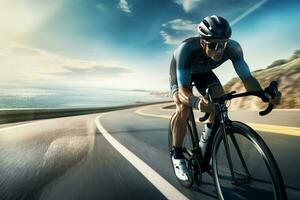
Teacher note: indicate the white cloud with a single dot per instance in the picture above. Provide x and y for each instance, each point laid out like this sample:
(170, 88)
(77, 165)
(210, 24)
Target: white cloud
(89, 71)
(181, 25)
(175, 31)
(21, 64)
(123, 5)
(188, 5)
(172, 39)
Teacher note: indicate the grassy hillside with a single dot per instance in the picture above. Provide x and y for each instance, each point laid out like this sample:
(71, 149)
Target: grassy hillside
(286, 72)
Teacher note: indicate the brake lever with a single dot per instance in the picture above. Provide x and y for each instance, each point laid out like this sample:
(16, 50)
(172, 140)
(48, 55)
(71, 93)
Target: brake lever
(267, 110)
(272, 89)
(204, 117)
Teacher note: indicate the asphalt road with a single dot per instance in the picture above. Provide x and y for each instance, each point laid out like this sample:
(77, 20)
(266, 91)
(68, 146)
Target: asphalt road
(69, 158)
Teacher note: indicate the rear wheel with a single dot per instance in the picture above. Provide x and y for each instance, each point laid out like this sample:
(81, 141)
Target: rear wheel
(254, 172)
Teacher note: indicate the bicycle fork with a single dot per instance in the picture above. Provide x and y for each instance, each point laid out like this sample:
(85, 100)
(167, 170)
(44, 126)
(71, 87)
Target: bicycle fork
(223, 120)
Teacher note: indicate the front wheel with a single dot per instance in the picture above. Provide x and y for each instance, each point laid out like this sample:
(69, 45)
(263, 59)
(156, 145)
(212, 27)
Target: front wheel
(244, 167)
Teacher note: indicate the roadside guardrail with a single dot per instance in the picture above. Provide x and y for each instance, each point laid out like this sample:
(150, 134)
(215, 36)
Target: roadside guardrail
(18, 115)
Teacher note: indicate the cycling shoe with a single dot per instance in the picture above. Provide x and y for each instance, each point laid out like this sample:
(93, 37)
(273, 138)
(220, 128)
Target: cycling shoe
(181, 170)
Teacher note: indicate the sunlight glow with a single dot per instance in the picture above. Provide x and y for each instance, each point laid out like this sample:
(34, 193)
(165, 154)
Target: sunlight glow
(19, 19)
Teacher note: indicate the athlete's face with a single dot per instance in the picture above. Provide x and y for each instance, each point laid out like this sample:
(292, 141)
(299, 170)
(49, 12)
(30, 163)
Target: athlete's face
(214, 49)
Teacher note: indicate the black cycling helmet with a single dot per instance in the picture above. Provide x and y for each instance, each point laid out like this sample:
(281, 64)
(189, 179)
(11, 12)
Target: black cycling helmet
(214, 27)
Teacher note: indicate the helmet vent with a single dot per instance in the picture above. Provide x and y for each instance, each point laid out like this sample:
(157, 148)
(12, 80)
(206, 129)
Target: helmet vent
(214, 27)
(206, 24)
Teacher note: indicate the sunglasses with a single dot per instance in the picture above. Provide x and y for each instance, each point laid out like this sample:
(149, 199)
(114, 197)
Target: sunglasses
(216, 45)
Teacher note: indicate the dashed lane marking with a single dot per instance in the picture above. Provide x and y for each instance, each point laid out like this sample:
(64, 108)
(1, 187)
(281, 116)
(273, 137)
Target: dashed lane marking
(284, 130)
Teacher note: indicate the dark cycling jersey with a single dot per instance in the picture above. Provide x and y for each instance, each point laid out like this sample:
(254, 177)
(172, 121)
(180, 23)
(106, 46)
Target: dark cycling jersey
(189, 59)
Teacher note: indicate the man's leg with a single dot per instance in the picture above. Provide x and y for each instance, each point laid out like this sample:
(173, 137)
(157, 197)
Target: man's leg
(178, 122)
(202, 82)
(217, 90)
(178, 125)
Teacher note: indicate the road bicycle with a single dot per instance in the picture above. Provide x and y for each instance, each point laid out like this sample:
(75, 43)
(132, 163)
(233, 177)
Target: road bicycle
(238, 159)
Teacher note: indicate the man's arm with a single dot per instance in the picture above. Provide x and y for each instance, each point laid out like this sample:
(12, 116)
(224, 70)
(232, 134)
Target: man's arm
(184, 95)
(183, 74)
(251, 84)
(187, 98)
(242, 69)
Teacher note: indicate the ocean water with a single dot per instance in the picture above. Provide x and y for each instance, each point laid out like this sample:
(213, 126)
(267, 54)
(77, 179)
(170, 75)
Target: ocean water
(72, 98)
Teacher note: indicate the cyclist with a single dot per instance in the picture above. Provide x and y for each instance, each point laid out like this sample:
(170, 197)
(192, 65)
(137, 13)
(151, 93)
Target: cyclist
(193, 61)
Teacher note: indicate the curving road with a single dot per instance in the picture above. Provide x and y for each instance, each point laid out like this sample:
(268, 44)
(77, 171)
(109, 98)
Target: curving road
(121, 155)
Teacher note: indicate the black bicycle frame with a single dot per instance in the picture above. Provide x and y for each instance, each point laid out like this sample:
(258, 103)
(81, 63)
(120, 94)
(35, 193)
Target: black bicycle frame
(221, 124)
(194, 128)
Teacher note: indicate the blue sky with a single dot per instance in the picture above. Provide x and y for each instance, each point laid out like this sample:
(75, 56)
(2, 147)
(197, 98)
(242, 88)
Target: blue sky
(128, 44)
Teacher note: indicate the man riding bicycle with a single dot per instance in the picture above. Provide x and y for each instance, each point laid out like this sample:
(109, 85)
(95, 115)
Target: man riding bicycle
(193, 61)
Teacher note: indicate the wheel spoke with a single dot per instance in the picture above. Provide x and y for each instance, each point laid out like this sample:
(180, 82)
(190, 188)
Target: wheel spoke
(237, 148)
(231, 171)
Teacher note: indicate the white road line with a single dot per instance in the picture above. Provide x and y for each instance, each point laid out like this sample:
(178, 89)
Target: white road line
(168, 190)
(277, 129)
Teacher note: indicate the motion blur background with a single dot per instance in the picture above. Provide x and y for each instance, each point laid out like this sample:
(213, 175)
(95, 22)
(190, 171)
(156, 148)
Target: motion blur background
(89, 53)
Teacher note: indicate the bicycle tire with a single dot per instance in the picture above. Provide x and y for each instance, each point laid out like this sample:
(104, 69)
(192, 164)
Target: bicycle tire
(244, 131)
(188, 136)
